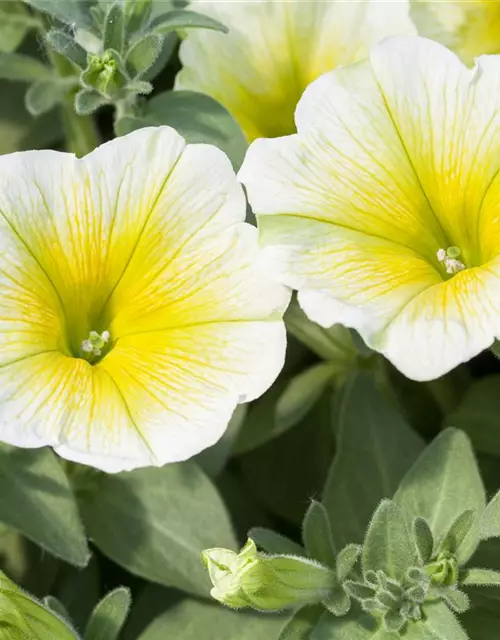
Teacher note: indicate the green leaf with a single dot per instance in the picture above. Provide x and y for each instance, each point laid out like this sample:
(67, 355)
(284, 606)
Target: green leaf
(36, 500)
(156, 522)
(317, 535)
(285, 472)
(388, 545)
(169, 45)
(79, 591)
(302, 393)
(458, 601)
(459, 531)
(424, 539)
(15, 22)
(260, 424)
(302, 623)
(480, 578)
(16, 66)
(444, 483)
(478, 413)
(375, 449)
(72, 12)
(275, 543)
(346, 560)
(214, 459)
(355, 626)
(45, 95)
(198, 620)
(143, 54)
(57, 607)
(181, 19)
(197, 117)
(88, 101)
(490, 521)
(64, 44)
(109, 616)
(137, 14)
(439, 624)
(481, 624)
(334, 344)
(114, 28)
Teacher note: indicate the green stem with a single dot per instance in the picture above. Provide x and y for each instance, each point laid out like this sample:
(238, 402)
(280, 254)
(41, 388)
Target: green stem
(81, 133)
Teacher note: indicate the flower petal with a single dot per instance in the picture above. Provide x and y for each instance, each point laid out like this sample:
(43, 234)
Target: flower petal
(446, 324)
(394, 159)
(273, 50)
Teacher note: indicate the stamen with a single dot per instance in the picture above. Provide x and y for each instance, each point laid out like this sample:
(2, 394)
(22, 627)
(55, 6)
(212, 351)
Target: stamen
(449, 258)
(94, 344)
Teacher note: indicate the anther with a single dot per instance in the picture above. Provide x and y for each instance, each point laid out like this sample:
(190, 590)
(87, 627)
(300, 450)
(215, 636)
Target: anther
(449, 258)
(94, 344)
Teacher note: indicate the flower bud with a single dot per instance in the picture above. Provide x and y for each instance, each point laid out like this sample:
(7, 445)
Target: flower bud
(104, 74)
(23, 617)
(264, 582)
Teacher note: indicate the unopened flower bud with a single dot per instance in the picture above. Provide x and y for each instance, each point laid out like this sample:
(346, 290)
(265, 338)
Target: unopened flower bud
(265, 582)
(21, 616)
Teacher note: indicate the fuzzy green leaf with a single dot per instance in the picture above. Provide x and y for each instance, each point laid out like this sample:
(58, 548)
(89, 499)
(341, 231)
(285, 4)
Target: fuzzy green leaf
(88, 101)
(490, 521)
(346, 560)
(114, 28)
(439, 623)
(45, 95)
(355, 626)
(64, 44)
(109, 616)
(388, 545)
(197, 117)
(155, 522)
(15, 22)
(37, 500)
(338, 602)
(444, 483)
(275, 543)
(72, 12)
(18, 67)
(302, 623)
(459, 531)
(480, 578)
(137, 14)
(179, 19)
(376, 447)
(143, 54)
(423, 538)
(457, 600)
(57, 607)
(302, 392)
(198, 620)
(317, 535)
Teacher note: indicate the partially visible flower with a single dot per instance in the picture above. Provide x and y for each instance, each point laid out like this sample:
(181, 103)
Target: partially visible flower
(383, 211)
(265, 582)
(469, 27)
(136, 310)
(275, 48)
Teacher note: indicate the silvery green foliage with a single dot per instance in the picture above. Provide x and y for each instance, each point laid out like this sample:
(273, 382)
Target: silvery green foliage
(110, 52)
(413, 573)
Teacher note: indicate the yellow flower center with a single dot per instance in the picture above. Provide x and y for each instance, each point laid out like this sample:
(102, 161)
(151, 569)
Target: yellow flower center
(449, 259)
